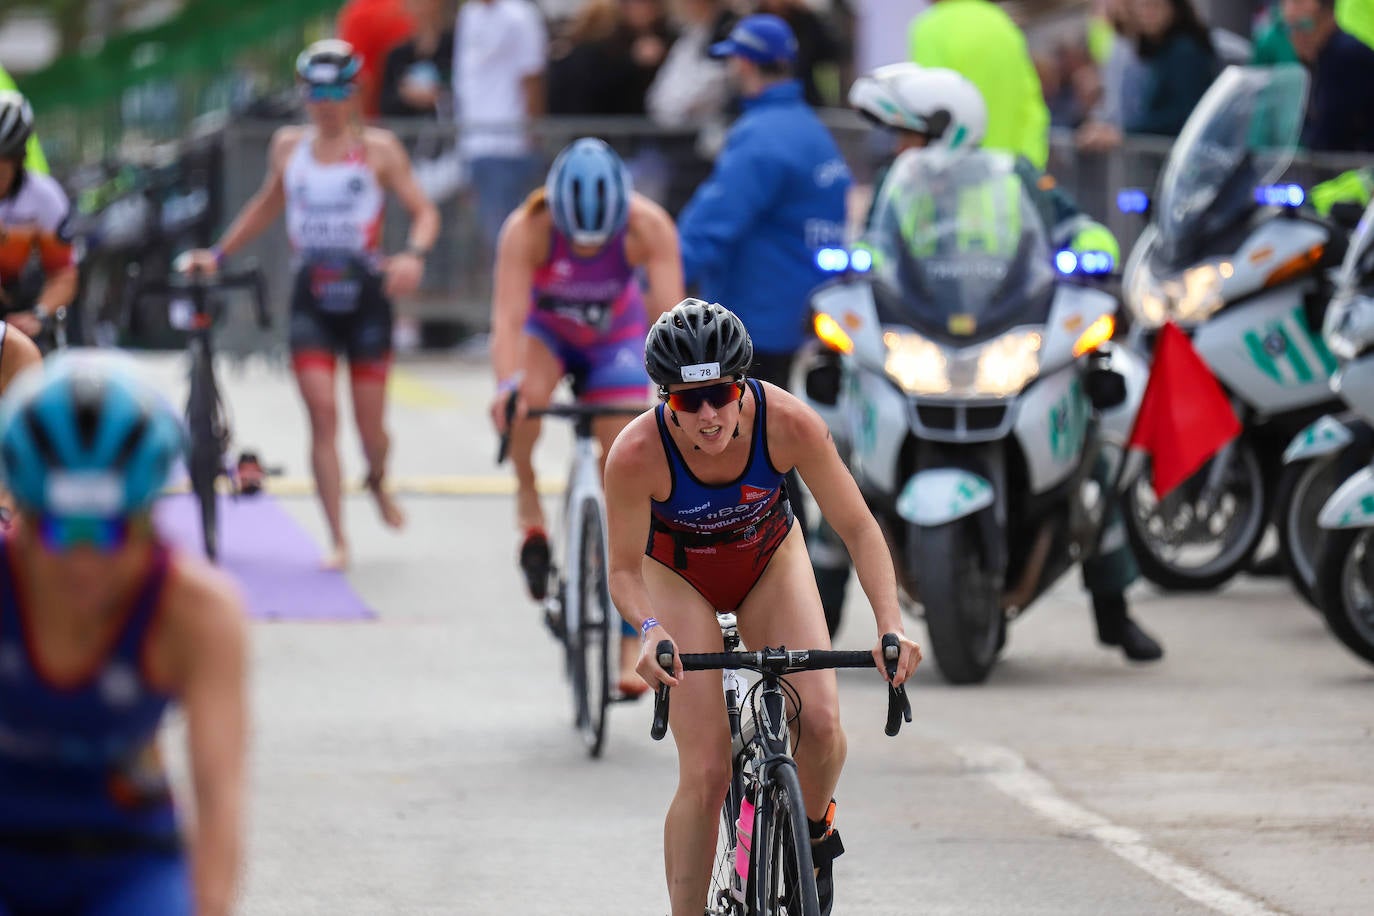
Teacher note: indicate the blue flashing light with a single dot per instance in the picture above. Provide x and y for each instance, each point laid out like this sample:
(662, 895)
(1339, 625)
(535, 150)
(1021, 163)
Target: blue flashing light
(1132, 200)
(832, 260)
(1095, 263)
(1066, 262)
(861, 260)
(1280, 195)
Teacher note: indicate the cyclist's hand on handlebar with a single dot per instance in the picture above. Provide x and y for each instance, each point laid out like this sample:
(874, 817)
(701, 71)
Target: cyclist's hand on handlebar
(907, 661)
(402, 274)
(502, 417)
(648, 666)
(196, 261)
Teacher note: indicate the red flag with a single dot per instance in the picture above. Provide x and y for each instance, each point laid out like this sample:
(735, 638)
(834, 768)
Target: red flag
(1185, 417)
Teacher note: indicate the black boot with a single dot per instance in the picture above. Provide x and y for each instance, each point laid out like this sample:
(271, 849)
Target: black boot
(1116, 628)
(826, 847)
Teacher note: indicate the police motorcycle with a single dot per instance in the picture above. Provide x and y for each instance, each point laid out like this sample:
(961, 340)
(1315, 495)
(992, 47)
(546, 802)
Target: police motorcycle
(1238, 263)
(1344, 582)
(967, 375)
(1329, 450)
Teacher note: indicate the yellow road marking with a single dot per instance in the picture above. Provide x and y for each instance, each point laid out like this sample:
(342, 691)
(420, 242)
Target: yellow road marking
(409, 391)
(418, 485)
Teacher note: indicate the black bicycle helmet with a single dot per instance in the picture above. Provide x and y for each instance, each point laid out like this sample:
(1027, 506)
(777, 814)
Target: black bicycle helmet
(697, 341)
(16, 124)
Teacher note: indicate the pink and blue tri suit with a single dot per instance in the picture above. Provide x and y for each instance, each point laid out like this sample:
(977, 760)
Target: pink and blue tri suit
(86, 818)
(590, 313)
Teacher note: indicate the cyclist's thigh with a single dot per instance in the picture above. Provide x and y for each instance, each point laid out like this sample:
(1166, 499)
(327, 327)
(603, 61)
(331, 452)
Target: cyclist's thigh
(615, 372)
(697, 711)
(155, 886)
(784, 609)
(368, 333)
(545, 364)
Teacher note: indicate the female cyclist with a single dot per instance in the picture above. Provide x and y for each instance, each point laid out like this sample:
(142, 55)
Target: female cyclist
(567, 301)
(331, 177)
(101, 627)
(699, 480)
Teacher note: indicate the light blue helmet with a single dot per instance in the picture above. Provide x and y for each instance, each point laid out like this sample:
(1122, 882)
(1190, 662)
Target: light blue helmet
(588, 192)
(83, 436)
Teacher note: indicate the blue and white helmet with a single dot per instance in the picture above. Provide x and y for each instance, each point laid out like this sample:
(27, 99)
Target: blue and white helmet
(588, 192)
(83, 436)
(329, 62)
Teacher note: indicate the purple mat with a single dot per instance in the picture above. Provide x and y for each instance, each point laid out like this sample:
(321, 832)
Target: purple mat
(273, 560)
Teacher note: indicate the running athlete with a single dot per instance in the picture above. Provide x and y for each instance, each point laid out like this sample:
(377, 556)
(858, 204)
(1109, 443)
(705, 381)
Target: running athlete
(700, 521)
(101, 627)
(567, 301)
(33, 222)
(331, 178)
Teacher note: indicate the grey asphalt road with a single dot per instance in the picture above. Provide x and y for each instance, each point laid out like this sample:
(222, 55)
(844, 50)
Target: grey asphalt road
(424, 763)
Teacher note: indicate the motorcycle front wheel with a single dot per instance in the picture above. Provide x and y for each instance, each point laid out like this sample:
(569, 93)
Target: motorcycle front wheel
(1345, 585)
(962, 600)
(1180, 546)
(1302, 491)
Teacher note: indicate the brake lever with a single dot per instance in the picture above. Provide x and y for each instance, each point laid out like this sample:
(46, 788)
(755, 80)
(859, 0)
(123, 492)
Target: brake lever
(664, 651)
(504, 449)
(898, 706)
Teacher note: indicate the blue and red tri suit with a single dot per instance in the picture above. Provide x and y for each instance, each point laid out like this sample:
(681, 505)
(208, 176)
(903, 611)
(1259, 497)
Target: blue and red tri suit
(87, 824)
(720, 537)
(590, 313)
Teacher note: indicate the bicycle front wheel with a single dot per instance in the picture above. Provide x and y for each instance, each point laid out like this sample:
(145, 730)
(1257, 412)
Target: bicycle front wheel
(206, 456)
(784, 879)
(591, 640)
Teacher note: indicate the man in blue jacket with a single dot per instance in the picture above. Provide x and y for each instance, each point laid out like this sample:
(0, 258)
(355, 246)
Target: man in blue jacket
(751, 233)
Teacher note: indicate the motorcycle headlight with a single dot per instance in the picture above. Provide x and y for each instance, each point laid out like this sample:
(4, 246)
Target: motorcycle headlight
(1193, 296)
(998, 368)
(1007, 363)
(917, 364)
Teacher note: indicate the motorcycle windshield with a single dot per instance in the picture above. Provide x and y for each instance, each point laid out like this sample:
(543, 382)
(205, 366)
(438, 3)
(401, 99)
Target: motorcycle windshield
(960, 246)
(1242, 134)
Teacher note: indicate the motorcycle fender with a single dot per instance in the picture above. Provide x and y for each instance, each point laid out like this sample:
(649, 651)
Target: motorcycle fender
(1352, 505)
(1326, 436)
(942, 495)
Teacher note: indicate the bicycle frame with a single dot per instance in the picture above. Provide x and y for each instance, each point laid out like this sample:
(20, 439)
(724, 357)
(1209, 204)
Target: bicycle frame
(584, 483)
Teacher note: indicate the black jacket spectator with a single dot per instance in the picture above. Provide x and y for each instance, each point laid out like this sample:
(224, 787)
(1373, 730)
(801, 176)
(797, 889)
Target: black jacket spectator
(407, 61)
(1180, 62)
(1340, 111)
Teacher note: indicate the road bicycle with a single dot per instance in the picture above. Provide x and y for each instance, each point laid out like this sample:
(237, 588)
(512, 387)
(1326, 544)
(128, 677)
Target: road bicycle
(763, 864)
(207, 420)
(578, 609)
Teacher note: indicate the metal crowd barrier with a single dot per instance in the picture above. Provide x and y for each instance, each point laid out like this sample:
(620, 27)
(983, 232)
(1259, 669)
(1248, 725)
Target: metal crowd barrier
(668, 165)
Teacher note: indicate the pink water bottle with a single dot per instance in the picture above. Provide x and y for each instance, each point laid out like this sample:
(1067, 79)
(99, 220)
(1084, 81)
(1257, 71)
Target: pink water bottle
(744, 838)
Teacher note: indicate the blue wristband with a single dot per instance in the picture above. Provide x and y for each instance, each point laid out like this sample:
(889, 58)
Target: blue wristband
(648, 624)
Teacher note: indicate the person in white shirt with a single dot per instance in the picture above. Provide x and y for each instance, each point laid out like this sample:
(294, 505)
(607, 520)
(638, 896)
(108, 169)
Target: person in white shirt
(500, 52)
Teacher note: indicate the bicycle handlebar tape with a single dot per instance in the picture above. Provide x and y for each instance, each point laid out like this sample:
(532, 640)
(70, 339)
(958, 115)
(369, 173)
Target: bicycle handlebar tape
(664, 651)
(898, 705)
(504, 449)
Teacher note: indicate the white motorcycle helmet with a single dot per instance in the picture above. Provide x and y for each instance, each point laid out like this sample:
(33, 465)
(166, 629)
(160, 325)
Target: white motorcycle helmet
(938, 103)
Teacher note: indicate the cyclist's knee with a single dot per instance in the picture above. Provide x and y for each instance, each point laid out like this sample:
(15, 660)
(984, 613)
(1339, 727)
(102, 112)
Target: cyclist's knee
(704, 782)
(820, 723)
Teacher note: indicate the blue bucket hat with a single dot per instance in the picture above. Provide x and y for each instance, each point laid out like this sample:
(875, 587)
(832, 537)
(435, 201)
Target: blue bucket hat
(762, 38)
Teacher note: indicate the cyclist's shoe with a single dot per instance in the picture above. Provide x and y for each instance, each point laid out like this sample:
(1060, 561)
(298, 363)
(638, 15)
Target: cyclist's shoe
(826, 847)
(249, 474)
(535, 563)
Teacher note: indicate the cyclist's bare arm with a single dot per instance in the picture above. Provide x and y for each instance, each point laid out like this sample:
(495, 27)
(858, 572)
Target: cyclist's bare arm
(59, 289)
(203, 659)
(516, 258)
(394, 173)
(636, 472)
(798, 437)
(261, 210)
(18, 353)
(652, 243)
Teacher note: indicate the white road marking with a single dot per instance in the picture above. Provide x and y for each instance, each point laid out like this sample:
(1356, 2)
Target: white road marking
(1008, 772)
